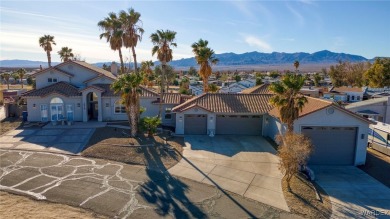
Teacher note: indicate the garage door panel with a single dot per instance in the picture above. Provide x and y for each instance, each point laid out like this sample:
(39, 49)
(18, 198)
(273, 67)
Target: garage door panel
(195, 124)
(239, 125)
(332, 145)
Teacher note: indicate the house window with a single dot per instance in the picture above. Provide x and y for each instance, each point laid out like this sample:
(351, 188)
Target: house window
(358, 98)
(119, 107)
(168, 114)
(44, 113)
(69, 112)
(352, 97)
(78, 105)
(52, 80)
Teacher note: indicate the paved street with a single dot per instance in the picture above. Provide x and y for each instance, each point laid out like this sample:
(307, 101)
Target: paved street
(245, 165)
(353, 192)
(62, 140)
(120, 190)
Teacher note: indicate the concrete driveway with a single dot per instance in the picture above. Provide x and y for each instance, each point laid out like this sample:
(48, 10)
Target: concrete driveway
(246, 165)
(353, 193)
(63, 140)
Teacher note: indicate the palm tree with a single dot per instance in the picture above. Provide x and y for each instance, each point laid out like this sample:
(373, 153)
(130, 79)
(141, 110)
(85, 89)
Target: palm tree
(6, 76)
(205, 58)
(296, 65)
(21, 72)
(162, 41)
(132, 31)
(113, 32)
(127, 85)
(65, 54)
(288, 99)
(46, 43)
(146, 68)
(213, 88)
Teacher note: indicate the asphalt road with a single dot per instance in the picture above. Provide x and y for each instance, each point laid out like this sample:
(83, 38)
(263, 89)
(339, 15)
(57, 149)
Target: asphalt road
(120, 190)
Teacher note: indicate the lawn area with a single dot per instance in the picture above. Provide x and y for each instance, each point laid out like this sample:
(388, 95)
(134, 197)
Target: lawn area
(9, 124)
(378, 166)
(114, 144)
(15, 206)
(303, 201)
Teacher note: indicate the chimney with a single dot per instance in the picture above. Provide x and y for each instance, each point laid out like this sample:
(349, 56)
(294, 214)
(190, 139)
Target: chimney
(114, 68)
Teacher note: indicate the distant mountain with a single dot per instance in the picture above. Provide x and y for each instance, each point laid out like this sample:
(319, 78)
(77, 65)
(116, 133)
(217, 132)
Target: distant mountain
(258, 58)
(232, 59)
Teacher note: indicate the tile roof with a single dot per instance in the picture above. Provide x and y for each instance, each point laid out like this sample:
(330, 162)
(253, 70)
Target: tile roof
(61, 87)
(52, 68)
(259, 89)
(145, 92)
(367, 102)
(173, 98)
(229, 103)
(347, 89)
(100, 71)
(316, 104)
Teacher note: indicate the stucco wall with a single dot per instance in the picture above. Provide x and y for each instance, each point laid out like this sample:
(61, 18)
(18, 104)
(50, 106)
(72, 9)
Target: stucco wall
(102, 80)
(380, 108)
(81, 74)
(41, 79)
(342, 119)
(273, 127)
(180, 120)
(34, 113)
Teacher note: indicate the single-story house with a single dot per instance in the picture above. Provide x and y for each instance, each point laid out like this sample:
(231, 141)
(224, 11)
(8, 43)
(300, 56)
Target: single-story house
(377, 109)
(339, 136)
(345, 94)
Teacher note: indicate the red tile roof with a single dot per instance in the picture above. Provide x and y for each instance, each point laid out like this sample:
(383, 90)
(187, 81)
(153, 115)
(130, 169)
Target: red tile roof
(229, 103)
(259, 89)
(61, 87)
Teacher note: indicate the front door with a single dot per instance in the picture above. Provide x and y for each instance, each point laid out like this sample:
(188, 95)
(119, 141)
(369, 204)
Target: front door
(93, 110)
(56, 112)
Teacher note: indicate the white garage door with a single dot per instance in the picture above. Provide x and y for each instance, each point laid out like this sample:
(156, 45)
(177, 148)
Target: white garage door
(332, 145)
(239, 125)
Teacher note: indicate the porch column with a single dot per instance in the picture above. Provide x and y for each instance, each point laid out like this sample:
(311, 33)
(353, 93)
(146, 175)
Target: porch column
(85, 107)
(100, 108)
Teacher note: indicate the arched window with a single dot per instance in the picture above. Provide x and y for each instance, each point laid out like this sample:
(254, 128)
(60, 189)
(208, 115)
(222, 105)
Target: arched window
(119, 107)
(56, 100)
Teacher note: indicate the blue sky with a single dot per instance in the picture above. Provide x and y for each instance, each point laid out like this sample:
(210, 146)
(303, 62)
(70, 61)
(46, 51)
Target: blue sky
(356, 27)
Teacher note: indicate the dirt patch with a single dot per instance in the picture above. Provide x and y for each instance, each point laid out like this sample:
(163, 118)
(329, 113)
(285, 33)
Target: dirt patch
(15, 206)
(376, 165)
(9, 124)
(303, 201)
(114, 144)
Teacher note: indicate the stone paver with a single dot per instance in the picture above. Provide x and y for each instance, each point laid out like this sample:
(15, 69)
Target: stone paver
(246, 165)
(353, 193)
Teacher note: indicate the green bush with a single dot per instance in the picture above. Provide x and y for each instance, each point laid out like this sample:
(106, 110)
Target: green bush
(150, 124)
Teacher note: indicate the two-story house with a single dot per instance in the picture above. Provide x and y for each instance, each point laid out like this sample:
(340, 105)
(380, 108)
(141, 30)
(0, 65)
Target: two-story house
(78, 91)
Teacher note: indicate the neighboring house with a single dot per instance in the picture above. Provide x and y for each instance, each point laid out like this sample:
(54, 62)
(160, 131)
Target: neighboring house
(377, 109)
(78, 91)
(339, 136)
(310, 91)
(237, 87)
(370, 92)
(345, 94)
(259, 89)
(196, 89)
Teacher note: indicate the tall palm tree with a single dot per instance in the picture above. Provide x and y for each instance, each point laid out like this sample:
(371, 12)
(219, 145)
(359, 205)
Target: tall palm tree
(112, 31)
(6, 76)
(46, 43)
(132, 31)
(205, 58)
(127, 85)
(288, 98)
(21, 73)
(296, 65)
(162, 41)
(65, 54)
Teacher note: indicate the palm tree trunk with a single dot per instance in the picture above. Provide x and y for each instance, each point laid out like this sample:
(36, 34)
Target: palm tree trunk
(48, 58)
(163, 64)
(206, 84)
(21, 80)
(133, 115)
(135, 59)
(121, 59)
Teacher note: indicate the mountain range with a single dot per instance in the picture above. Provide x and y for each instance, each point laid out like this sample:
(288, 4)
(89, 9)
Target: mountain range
(232, 59)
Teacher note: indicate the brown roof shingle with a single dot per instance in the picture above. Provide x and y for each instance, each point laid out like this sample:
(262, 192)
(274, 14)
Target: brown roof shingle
(229, 103)
(347, 89)
(259, 89)
(61, 87)
(312, 105)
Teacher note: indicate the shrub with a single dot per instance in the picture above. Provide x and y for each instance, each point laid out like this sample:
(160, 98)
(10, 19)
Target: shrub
(150, 124)
(294, 151)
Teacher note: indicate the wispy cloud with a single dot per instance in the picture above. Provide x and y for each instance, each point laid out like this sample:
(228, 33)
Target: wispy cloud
(244, 8)
(298, 16)
(257, 42)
